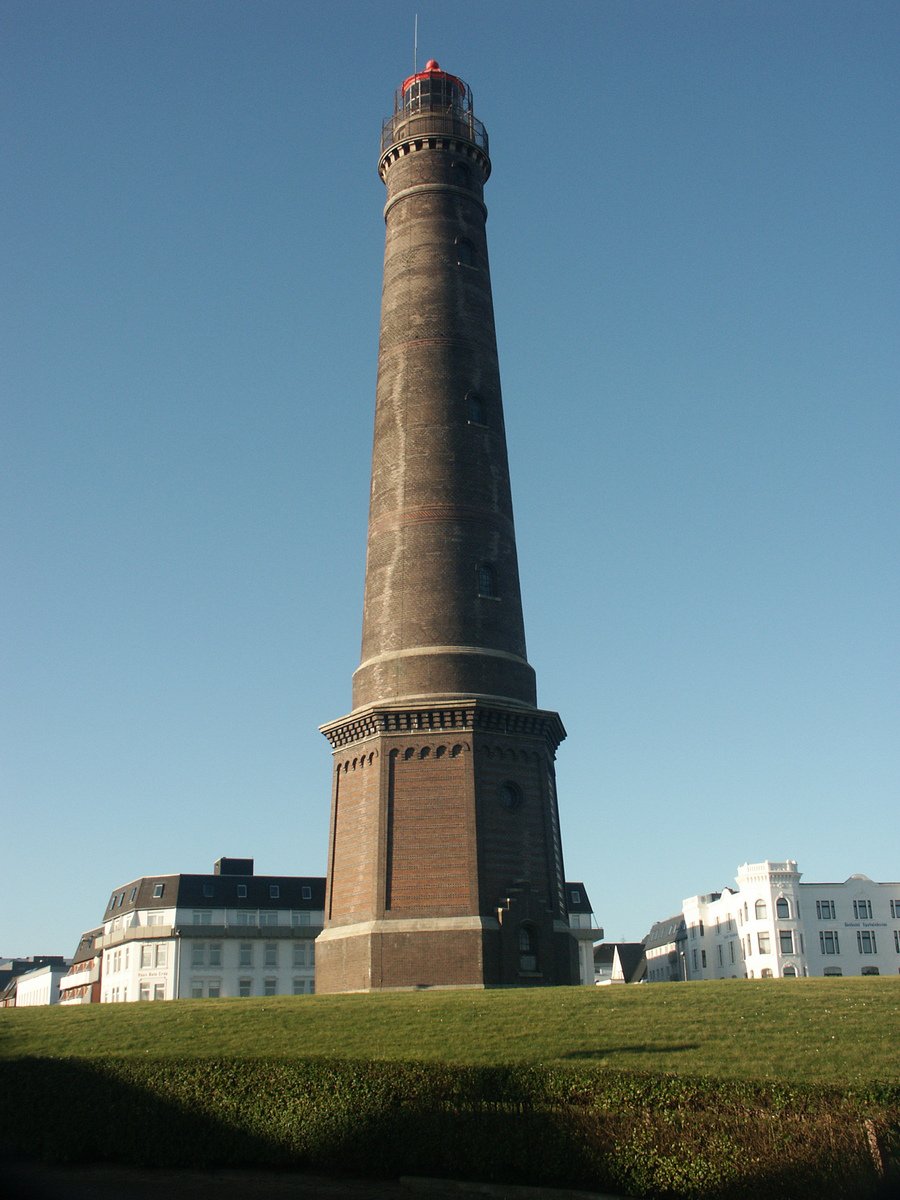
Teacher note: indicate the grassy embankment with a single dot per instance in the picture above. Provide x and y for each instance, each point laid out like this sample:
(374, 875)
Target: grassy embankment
(712, 1091)
(837, 1031)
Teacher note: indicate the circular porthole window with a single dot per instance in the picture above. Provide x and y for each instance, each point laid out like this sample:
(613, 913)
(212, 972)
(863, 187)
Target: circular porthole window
(510, 796)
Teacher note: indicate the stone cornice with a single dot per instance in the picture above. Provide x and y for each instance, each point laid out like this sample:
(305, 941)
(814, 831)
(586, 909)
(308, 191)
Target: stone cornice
(477, 715)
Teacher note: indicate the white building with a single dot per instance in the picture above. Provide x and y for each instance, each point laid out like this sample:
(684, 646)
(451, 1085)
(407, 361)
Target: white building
(584, 931)
(774, 926)
(40, 986)
(232, 933)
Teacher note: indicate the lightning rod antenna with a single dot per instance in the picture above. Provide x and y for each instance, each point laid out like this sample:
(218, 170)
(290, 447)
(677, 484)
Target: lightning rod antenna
(416, 45)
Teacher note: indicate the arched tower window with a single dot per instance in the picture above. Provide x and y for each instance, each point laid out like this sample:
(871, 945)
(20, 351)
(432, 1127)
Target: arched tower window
(528, 960)
(465, 252)
(782, 909)
(760, 910)
(486, 580)
(510, 796)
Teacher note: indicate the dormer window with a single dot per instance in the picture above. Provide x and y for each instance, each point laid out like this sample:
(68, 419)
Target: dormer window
(158, 889)
(306, 893)
(274, 891)
(208, 891)
(242, 891)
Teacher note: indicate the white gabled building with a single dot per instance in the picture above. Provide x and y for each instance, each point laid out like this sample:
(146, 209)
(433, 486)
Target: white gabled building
(774, 926)
(232, 933)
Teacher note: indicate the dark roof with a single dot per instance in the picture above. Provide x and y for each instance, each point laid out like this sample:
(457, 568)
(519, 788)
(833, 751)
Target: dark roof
(663, 932)
(580, 905)
(212, 891)
(631, 958)
(86, 948)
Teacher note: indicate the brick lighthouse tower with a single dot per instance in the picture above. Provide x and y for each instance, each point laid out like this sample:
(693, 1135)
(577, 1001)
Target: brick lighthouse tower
(445, 860)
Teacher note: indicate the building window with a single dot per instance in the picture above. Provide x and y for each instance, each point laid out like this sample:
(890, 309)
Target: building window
(465, 252)
(203, 916)
(146, 954)
(575, 896)
(299, 954)
(312, 954)
(897, 940)
(825, 910)
(870, 971)
(828, 941)
(527, 950)
(245, 954)
(790, 972)
(155, 918)
(242, 891)
(862, 910)
(246, 916)
(895, 909)
(695, 960)
(766, 973)
(786, 941)
(299, 917)
(731, 950)
(131, 898)
(299, 987)
(274, 891)
(763, 939)
(196, 991)
(782, 909)
(268, 918)
(198, 954)
(865, 940)
(719, 954)
(144, 991)
(703, 958)
(271, 955)
(269, 986)
(760, 910)
(306, 892)
(214, 991)
(162, 954)
(833, 971)
(215, 954)
(158, 889)
(245, 987)
(486, 581)
(159, 991)
(208, 891)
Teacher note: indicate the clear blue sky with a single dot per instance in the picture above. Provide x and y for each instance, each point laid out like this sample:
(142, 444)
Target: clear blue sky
(694, 247)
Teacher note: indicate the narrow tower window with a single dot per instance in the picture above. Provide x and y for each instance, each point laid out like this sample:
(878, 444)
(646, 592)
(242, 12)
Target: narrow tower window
(465, 252)
(487, 581)
(527, 950)
(475, 408)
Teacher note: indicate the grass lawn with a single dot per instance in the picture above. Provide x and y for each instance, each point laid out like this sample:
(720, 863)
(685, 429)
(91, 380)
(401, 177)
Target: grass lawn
(840, 1031)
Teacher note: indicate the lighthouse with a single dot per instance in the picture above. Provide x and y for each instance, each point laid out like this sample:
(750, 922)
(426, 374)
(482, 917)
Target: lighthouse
(445, 860)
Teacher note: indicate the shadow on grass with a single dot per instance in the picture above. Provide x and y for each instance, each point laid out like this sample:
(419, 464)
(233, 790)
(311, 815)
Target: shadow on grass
(592, 1129)
(606, 1051)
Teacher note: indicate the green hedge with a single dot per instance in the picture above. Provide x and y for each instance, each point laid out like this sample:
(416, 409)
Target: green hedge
(642, 1135)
